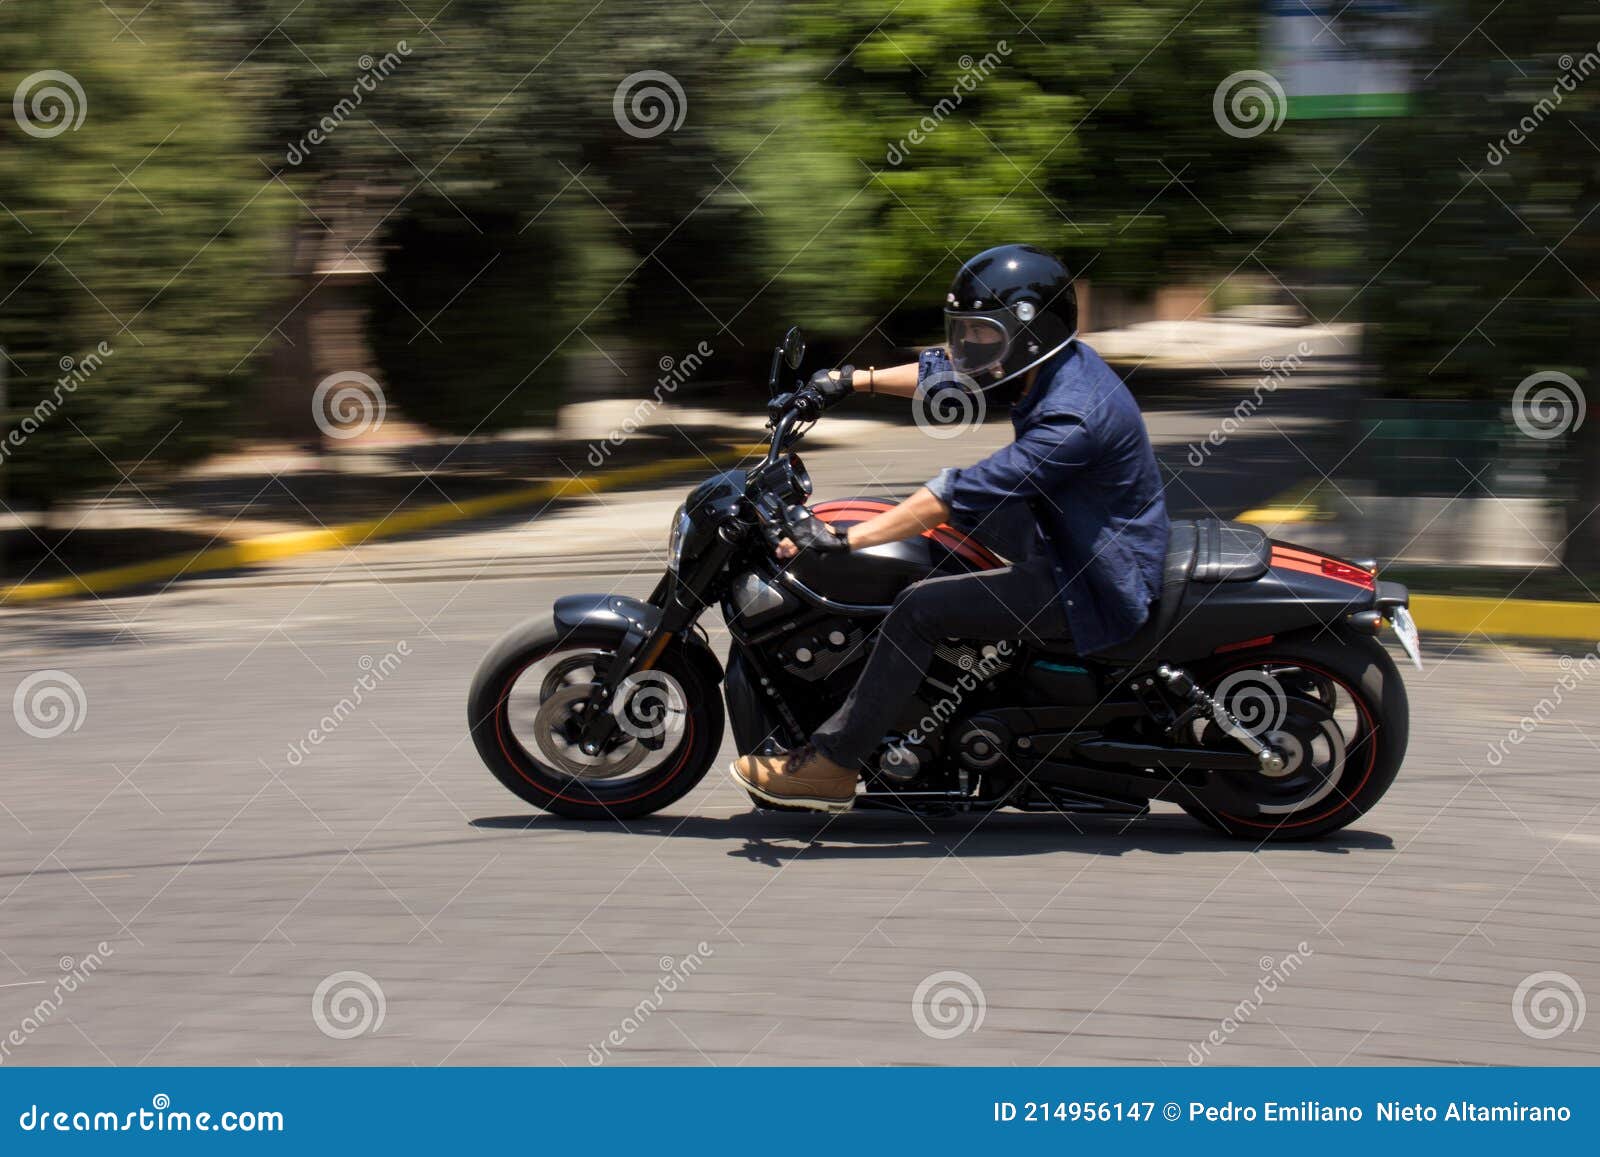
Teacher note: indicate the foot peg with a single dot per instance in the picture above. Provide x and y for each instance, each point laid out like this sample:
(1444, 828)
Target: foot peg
(1179, 682)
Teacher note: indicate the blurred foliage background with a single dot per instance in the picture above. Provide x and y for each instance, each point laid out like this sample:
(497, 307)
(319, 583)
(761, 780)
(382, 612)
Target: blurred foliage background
(471, 160)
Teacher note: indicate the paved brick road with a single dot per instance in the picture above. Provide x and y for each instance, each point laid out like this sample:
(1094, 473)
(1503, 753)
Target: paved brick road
(229, 883)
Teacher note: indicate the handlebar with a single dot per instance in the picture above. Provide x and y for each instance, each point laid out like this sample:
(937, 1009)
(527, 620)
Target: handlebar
(803, 405)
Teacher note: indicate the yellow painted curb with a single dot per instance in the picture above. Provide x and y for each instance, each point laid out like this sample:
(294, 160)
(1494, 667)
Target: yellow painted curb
(271, 547)
(1507, 618)
(1279, 515)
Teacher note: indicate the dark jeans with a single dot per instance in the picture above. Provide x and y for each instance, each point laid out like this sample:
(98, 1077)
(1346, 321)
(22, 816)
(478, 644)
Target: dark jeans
(1012, 602)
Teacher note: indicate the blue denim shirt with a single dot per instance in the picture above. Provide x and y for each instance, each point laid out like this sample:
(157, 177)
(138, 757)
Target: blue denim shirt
(1081, 459)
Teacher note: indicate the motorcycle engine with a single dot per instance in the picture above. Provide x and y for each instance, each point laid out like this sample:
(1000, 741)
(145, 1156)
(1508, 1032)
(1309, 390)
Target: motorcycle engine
(959, 670)
(815, 654)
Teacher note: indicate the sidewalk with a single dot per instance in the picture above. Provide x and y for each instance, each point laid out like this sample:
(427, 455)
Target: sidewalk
(276, 491)
(409, 503)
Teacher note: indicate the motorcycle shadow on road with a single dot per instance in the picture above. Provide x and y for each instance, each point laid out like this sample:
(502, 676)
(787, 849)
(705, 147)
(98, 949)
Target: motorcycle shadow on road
(775, 838)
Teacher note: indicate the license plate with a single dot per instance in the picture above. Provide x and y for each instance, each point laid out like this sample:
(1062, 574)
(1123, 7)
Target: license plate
(1405, 629)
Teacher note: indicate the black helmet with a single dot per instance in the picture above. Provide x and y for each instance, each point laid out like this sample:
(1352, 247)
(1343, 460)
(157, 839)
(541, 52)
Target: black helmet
(1009, 309)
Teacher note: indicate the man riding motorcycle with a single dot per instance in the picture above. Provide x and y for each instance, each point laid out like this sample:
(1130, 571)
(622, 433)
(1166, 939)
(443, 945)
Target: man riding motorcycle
(1080, 460)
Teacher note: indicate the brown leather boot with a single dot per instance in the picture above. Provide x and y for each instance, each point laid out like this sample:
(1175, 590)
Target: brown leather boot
(803, 778)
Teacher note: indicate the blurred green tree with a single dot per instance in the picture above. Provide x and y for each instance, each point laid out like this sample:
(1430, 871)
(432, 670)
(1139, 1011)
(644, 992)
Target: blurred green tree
(132, 241)
(908, 140)
(1484, 252)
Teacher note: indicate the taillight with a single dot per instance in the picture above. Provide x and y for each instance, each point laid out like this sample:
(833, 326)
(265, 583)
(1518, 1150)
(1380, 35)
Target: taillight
(1344, 572)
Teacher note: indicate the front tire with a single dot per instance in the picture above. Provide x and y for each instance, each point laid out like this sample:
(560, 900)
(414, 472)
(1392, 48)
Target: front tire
(535, 673)
(1344, 720)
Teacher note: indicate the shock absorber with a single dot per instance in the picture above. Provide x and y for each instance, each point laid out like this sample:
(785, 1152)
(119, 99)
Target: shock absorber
(1180, 683)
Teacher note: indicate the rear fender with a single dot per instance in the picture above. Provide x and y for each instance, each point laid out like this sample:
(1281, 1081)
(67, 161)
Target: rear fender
(1301, 590)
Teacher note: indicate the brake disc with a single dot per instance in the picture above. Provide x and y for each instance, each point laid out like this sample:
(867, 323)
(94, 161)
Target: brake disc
(562, 708)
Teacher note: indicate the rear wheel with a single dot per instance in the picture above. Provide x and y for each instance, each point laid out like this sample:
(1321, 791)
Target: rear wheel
(527, 704)
(1334, 707)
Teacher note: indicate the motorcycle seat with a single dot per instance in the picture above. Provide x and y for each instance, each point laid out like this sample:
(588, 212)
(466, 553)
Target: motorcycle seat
(1229, 551)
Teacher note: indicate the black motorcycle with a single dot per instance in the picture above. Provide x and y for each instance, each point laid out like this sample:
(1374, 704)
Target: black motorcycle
(1257, 697)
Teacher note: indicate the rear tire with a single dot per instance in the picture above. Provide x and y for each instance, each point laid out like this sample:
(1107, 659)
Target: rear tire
(536, 779)
(1352, 665)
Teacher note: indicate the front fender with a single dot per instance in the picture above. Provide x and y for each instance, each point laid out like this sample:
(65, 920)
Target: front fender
(621, 615)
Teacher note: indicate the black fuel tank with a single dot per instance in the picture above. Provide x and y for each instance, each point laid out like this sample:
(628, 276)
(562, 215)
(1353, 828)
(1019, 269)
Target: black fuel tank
(873, 577)
(876, 575)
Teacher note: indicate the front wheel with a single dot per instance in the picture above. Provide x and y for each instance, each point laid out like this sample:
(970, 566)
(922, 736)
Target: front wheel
(526, 707)
(1335, 708)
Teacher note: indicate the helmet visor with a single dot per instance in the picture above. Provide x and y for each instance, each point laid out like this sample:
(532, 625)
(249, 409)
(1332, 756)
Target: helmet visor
(977, 343)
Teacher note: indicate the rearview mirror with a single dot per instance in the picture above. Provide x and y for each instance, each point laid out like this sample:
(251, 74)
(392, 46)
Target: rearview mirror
(794, 347)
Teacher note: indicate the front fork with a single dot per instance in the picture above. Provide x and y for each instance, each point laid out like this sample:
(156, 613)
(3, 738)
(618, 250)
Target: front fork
(641, 648)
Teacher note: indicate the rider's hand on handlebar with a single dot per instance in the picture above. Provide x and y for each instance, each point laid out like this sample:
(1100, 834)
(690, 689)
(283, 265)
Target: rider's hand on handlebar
(833, 386)
(808, 532)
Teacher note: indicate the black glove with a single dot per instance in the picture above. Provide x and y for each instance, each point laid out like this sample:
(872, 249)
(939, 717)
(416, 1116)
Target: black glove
(809, 532)
(830, 391)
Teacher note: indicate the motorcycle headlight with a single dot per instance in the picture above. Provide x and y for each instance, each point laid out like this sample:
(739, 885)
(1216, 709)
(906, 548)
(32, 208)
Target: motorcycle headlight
(675, 540)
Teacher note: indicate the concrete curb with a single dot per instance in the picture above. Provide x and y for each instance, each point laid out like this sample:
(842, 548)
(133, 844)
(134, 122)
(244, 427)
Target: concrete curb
(1507, 618)
(1448, 614)
(273, 547)
(1460, 614)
